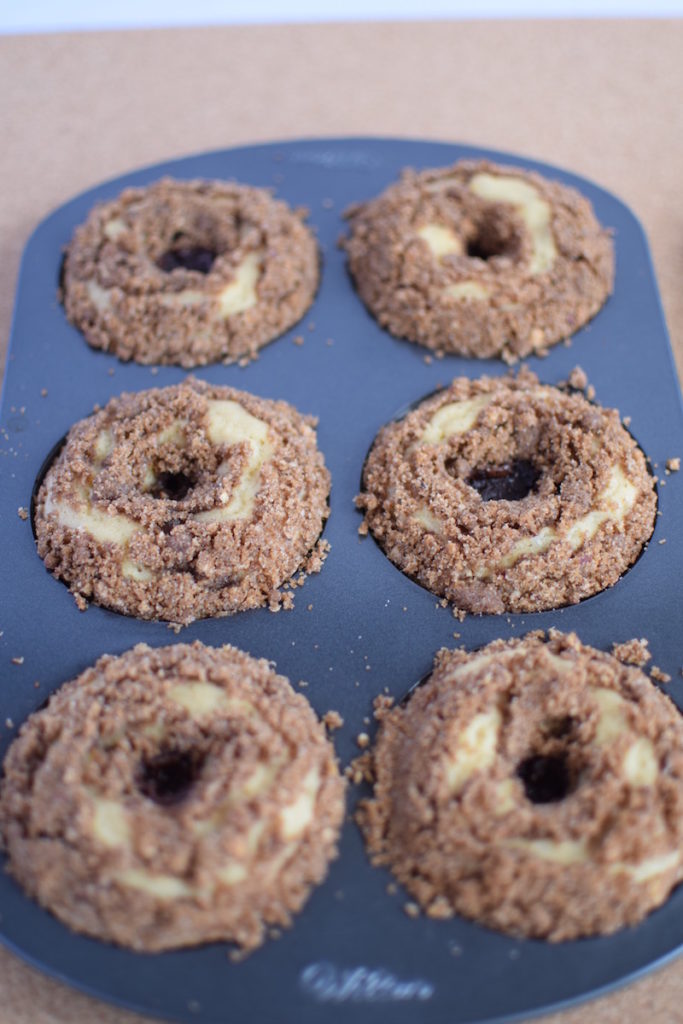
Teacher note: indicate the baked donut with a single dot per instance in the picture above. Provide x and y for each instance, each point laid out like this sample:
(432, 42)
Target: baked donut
(170, 797)
(189, 272)
(503, 494)
(536, 787)
(184, 502)
(480, 260)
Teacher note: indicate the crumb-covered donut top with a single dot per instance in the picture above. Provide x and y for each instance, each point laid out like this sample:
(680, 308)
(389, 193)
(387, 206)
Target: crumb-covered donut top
(505, 494)
(179, 794)
(189, 272)
(557, 766)
(480, 259)
(220, 489)
(545, 721)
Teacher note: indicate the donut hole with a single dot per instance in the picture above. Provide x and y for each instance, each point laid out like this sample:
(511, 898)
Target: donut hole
(508, 481)
(167, 777)
(494, 235)
(173, 486)
(187, 257)
(546, 778)
(199, 243)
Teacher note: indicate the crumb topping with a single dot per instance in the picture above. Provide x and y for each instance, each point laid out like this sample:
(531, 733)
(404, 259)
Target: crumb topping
(172, 796)
(504, 494)
(480, 259)
(496, 784)
(185, 502)
(189, 272)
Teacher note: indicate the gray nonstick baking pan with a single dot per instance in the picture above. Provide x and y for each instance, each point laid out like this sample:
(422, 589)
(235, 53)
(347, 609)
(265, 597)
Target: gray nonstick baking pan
(352, 954)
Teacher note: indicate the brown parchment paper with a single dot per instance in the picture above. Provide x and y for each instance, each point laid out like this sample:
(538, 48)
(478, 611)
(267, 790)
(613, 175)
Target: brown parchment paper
(601, 98)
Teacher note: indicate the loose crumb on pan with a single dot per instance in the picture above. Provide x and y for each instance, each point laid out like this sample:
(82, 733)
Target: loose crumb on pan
(673, 465)
(361, 769)
(22, 512)
(659, 675)
(332, 720)
(577, 379)
(632, 652)
(382, 704)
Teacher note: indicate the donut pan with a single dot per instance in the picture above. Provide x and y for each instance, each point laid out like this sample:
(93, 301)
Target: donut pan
(358, 628)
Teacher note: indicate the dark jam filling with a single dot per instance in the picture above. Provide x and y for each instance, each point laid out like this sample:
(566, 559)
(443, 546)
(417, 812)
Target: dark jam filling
(168, 777)
(173, 486)
(189, 257)
(546, 779)
(511, 481)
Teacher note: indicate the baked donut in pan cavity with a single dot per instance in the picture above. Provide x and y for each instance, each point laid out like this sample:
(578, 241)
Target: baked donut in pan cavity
(189, 272)
(170, 797)
(185, 502)
(480, 260)
(534, 786)
(503, 494)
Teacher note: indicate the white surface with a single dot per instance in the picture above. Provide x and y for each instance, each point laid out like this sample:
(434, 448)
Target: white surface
(49, 15)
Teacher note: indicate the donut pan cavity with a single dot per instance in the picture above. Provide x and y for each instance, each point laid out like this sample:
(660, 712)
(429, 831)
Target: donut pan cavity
(352, 954)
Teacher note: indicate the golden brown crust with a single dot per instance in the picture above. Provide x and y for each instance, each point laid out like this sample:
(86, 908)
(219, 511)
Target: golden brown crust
(170, 797)
(534, 786)
(584, 521)
(497, 277)
(184, 502)
(258, 276)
